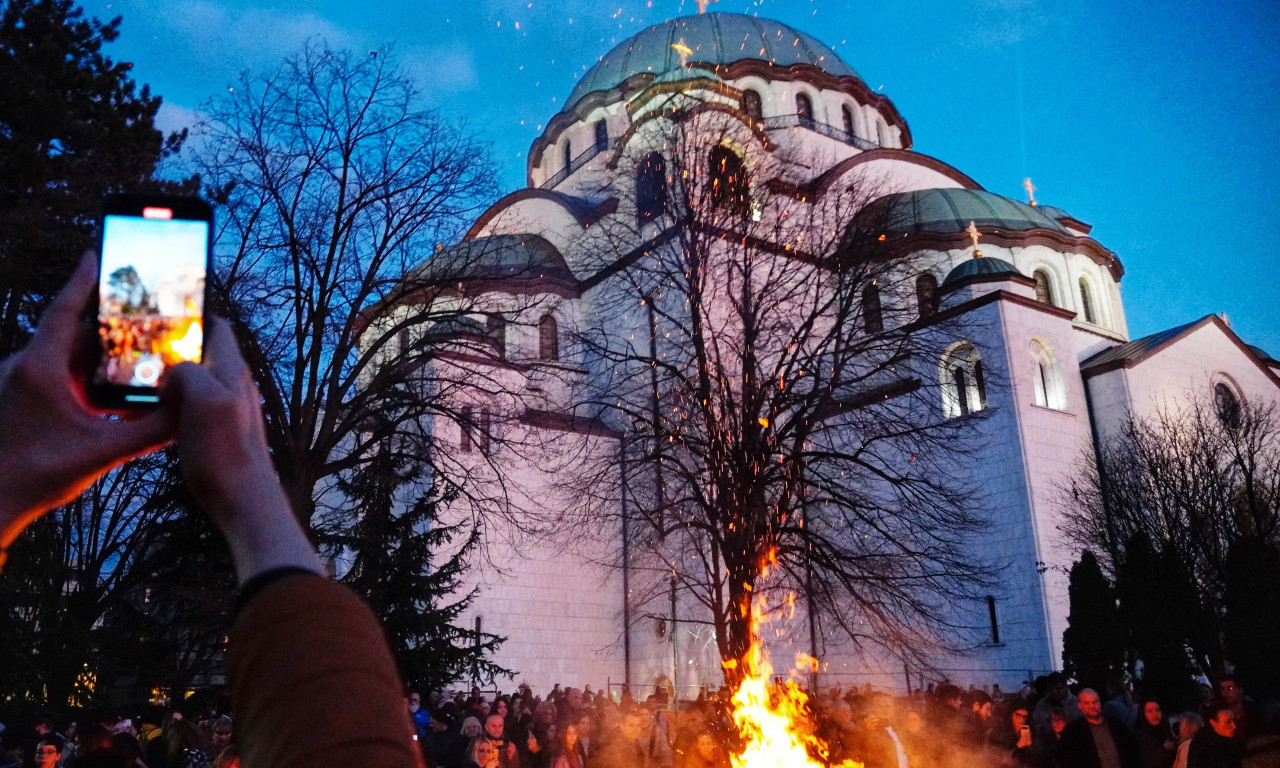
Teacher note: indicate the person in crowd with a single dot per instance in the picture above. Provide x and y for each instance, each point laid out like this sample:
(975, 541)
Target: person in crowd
(471, 729)
(127, 747)
(1056, 694)
(568, 752)
(1011, 738)
(627, 748)
(1155, 745)
(48, 752)
(877, 745)
(980, 725)
(187, 747)
(1244, 711)
(706, 753)
(921, 746)
(1095, 741)
(418, 714)
(221, 733)
(508, 756)
(481, 753)
(1189, 724)
(1216, 746)
(303, 650)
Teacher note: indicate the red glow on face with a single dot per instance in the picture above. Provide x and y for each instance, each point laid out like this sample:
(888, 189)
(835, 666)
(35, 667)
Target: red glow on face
(151, 212)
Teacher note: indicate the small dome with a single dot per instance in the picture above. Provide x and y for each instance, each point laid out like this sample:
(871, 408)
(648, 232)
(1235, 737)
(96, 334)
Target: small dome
(986, 266)
(947, 211)
(716, 38)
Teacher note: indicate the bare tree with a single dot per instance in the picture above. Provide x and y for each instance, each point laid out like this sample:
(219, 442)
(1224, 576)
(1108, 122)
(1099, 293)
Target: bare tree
(333, 184)
(1199, 481)
(756, 349)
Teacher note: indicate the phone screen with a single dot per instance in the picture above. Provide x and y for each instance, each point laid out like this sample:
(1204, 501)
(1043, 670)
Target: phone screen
(151, 288)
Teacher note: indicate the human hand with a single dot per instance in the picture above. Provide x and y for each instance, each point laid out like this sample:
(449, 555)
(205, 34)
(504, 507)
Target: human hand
(222, 447)
(53, 443)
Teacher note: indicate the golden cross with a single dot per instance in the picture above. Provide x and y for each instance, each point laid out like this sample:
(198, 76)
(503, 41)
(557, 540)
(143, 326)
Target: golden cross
(974, 234)
(1031, 189)
(702, 5)
(684, 51)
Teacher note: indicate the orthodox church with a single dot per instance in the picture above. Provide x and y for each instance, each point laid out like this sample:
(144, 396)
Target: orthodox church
(1032, 304)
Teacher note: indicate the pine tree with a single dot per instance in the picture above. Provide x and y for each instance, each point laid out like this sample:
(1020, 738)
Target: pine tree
(1091, 645)
(408, 566)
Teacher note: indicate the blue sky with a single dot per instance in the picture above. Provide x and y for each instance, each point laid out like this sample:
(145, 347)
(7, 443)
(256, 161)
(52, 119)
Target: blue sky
(1157, 123)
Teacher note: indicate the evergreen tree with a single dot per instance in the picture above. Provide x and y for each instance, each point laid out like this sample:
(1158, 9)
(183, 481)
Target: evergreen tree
(407, 565)
(1091, 645)
(73, 127)
(1252, 627)
(1157, 610)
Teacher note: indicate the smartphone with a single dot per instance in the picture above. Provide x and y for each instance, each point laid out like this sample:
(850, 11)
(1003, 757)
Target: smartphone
(154, 256)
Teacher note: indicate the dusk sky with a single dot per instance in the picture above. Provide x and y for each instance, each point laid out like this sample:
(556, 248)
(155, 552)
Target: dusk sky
(1157, 123)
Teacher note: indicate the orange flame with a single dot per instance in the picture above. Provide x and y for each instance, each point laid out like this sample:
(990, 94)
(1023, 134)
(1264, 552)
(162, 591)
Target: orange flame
(773, 721)
(188, 347)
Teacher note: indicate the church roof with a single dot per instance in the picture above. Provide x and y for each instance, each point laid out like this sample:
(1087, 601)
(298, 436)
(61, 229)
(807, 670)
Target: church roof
(716, 38)
(497, 257)
(1137, 349)
(948, 211)
(984, 266)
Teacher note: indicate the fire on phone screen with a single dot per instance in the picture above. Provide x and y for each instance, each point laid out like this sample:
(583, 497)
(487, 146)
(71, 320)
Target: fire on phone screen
(151, 297)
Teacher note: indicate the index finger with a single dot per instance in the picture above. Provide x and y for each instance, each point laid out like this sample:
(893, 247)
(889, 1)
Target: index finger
(57, 329)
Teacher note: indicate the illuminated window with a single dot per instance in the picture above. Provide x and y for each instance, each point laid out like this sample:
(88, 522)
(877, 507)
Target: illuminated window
(872, 312)
(752, 105)
(1086, 303)
(651, 187)
(548, 338)
(602, 136)
(927, 294)
(730, 189)
(804, 108)
(964, 386)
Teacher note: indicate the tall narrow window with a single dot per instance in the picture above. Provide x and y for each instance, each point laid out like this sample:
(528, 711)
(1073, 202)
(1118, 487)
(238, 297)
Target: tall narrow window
(651, 187)
(804, 108)
(995, 623)
(846, 115)
(1086, 303)
(548, 338)
(752, 105)
(568, 154)
(927, 294)
(484, 427)
(1227, 404)
(1045, 377)
(464, 430)
(1043, 292)
(497, 326)
(602, 136)
(729, 187)
(872, 312)
(964, 386)
(979, 382)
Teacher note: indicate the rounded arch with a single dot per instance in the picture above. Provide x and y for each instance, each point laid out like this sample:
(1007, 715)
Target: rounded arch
(753, 103)
(848, 122)
(1049, 389)
(1047, 290)
(963, 380)
(1228, 402)
(1091, 301)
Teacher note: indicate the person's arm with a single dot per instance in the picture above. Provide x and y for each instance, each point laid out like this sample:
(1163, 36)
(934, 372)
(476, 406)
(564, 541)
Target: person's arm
(52, 443)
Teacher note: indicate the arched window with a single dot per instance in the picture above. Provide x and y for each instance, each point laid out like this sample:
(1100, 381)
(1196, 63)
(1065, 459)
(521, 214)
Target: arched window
(846, 117)
(497, 326)
(1227, 403)
(872, 312)
(1044, 288)
(927, 294)
(1046, 377)
(964, 386)
(548, 338)
(752, 105)
(602, 136)
(1087, 309)
(568, 154)
(651, 187)
(804, 108)
(729, 187)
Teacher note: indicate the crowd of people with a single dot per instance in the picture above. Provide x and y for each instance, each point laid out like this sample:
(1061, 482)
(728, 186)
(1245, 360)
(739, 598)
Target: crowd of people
(1044, 725)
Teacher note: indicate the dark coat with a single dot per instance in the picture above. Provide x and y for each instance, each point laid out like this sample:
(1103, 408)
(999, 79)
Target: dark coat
(1209, 750)
(1077, 750)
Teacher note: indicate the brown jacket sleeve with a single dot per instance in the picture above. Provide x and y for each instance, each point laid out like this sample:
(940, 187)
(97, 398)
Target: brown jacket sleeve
(313, 683)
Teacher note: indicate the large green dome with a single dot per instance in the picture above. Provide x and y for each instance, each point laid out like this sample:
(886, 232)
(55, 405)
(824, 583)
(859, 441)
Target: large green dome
(947, 211)
(716, 38)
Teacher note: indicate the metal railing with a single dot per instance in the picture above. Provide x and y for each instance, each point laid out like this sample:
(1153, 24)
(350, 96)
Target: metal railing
(577, 162)
(778, 122)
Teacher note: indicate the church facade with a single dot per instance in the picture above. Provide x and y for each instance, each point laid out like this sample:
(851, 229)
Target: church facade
(1026, 304)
